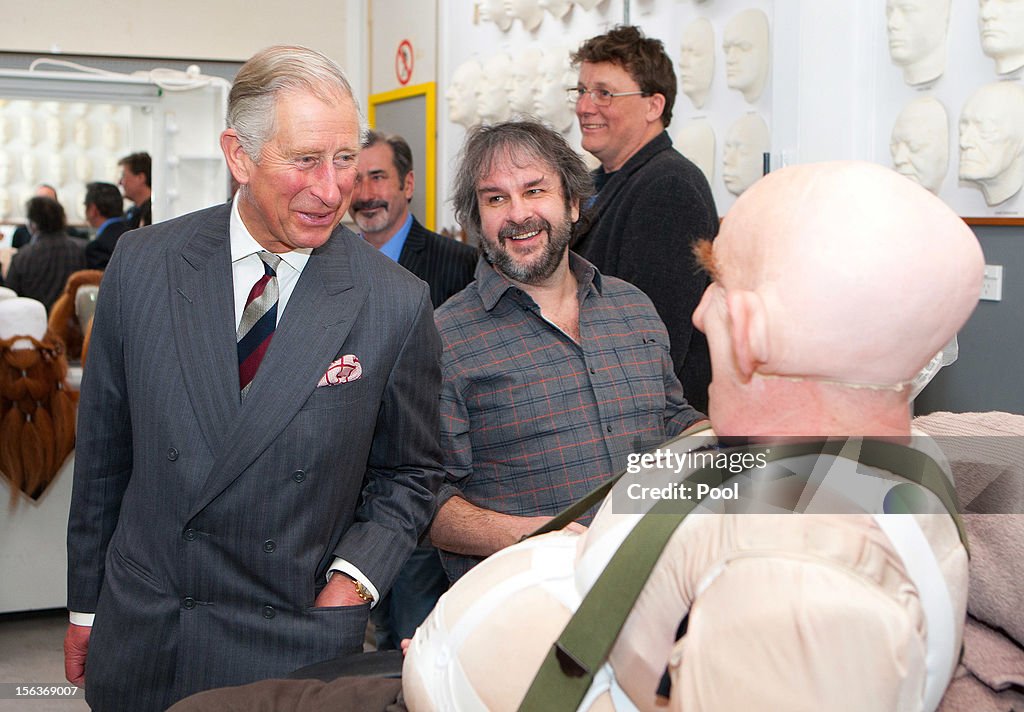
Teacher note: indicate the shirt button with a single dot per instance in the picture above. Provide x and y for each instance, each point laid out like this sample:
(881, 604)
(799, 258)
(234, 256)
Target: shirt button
(190, 534)
(609, 428)
(172, 454)
(269, 545)
(269, 612)
(298, 475)
(189, 603)
(592, 371)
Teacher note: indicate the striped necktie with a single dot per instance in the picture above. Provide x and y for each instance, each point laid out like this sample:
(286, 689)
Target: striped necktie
(259, 319)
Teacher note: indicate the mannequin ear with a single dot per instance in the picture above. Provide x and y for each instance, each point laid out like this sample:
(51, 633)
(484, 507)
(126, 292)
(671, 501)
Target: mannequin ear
(749, 330)
(655, 107)
(238, 160)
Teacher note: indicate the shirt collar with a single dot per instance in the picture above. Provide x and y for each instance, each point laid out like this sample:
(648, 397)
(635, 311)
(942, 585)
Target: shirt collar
(107, 223)
(492, 285)
(393, 247)
(244, 244)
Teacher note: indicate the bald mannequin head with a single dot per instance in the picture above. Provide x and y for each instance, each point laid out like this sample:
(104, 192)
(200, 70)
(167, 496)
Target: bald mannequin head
(835, 283)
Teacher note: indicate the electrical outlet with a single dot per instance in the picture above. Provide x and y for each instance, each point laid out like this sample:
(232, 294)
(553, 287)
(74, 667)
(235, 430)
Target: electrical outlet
(992, 286)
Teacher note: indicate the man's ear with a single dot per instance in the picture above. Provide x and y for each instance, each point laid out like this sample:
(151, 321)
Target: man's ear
(748, 330)
(238, 160)
(655, 107)
(574, 210)
(410, 185)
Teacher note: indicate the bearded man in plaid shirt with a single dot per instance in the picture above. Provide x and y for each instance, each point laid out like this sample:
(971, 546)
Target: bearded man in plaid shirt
(553, 373)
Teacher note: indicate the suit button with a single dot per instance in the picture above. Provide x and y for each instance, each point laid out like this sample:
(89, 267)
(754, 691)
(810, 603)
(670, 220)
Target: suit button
(189, 603)
(269, 612)
(298, 475)
(190, 534)
(172, 454)
(269, 546)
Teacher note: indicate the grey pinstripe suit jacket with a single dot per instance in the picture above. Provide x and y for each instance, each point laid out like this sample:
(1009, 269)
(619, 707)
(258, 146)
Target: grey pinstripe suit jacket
(201, 529)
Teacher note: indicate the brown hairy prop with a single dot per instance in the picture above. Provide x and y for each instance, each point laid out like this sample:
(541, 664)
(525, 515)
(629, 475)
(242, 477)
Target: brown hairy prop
(37, 414)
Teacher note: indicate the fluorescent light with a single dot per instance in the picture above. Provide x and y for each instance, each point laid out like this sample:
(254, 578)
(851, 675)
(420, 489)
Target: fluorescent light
(69, 86)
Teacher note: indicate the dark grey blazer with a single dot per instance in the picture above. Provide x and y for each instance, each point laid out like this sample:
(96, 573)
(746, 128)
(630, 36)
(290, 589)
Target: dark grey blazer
(445, 264)
(201, 528)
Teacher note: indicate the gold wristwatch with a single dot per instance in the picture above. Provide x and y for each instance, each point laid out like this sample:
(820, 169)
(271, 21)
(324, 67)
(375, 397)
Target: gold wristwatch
(363, 592)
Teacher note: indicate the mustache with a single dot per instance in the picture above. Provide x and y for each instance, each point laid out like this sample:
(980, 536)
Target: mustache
(509, 229)
(361, 205)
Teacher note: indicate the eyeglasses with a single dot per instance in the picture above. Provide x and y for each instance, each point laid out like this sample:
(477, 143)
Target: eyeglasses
(600, 97)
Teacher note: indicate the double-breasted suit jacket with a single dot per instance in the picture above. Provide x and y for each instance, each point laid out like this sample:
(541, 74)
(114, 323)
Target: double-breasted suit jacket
(202, 527)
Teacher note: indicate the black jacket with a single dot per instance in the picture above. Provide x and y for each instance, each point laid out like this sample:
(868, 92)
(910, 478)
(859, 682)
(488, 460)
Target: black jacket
(445, 264)
(642, 228)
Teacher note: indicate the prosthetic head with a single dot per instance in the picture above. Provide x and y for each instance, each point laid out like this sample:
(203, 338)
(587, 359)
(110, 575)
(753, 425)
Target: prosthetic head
(494, 11)
(992, 140)
(492, 93)
(555, 75)
(461, 93)
(840, 278)
(523, 76)
(696, 141)
(743, 154)
(529, 12)
(920, 142)
(697, 60)
(1001, 25)
(917, 37)
(746, 47)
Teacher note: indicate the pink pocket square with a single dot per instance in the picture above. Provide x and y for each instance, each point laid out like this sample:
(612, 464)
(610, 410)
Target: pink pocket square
(342, 370)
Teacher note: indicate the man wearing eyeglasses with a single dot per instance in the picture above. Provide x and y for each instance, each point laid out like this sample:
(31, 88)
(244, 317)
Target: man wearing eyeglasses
(652, 203)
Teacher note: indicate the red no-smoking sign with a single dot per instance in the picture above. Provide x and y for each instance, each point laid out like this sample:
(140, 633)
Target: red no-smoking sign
(404, 62)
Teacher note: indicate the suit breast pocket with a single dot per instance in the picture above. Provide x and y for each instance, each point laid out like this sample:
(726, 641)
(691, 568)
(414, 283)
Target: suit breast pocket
(339, 395)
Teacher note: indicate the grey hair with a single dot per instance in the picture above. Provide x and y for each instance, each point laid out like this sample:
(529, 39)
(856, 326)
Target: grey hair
(522, 142)
(253, 97)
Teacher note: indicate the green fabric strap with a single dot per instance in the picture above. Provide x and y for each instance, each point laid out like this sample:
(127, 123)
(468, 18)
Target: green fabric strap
(569, 667)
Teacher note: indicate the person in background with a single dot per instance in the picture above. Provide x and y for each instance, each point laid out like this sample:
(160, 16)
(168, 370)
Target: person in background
(136, 182)
(40, 269)
(380, 208)
(652, 203)
(104, 211)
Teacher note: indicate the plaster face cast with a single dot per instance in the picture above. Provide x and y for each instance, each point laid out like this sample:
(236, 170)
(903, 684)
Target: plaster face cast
(5, 168)
(557, 8)
(80, 133)
(522, 78)
(461, 93)
(56, 169)
(920, 143)
(743, 153)
(1001, 25)
(697, 60)
(55, 131)
(528, 12)
(5, 129)
(492, 102)
(28, 168)
(5, 204)
(550, 102)
(917, 32)
(746, 47)
(83, 168)
(696, 141)
(111, 136)
(992, 141)
(589, 5)
(27, 129)
(494, 11)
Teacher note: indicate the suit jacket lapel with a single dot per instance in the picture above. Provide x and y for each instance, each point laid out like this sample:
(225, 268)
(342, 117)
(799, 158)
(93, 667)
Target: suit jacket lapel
(320, 313)
(202, 319)
(412, 251)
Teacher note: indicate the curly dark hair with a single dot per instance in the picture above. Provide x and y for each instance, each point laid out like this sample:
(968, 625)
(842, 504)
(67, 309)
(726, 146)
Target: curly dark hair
(643, 57)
